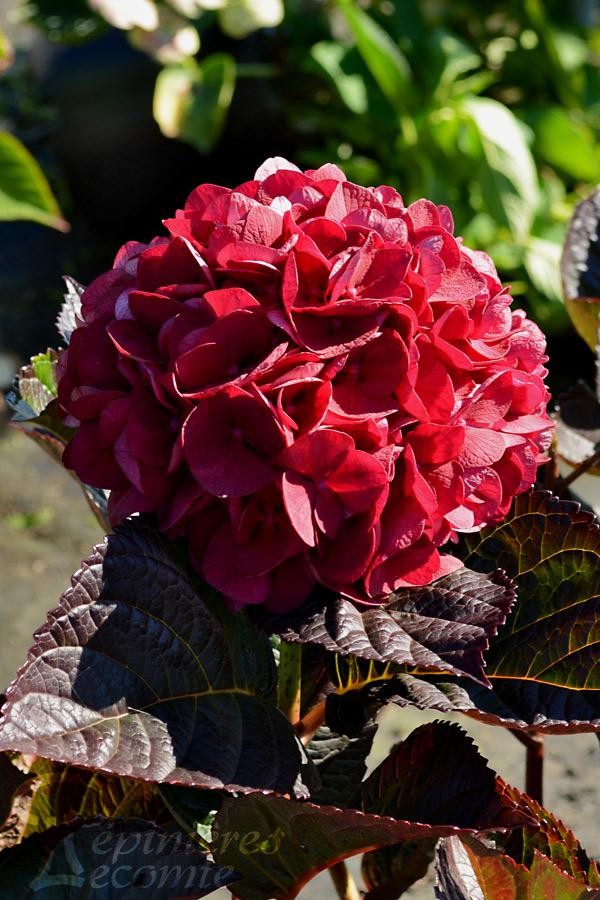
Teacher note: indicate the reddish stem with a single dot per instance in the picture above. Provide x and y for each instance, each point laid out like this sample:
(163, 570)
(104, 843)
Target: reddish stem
(314, 718)
(534, 766)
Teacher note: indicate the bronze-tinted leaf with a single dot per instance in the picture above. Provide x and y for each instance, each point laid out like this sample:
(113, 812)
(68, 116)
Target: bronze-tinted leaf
(552, 549)
(278, 845)
(444, 626)
(550, 837)
(467, 869)
(521, 705)
(140, 672)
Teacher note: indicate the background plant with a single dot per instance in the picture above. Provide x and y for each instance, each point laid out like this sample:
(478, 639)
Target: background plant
(406, 93)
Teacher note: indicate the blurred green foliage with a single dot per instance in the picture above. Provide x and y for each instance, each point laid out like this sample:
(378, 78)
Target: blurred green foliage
(493, 109)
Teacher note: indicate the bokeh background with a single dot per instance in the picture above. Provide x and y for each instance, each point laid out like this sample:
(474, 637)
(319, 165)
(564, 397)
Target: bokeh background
(111, 111)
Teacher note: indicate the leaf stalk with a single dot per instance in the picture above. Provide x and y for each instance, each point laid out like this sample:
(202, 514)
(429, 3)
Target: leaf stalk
(289, 681)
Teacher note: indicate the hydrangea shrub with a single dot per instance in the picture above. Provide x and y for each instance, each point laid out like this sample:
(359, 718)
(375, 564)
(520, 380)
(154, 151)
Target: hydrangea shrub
(310, 381)
(310, 422)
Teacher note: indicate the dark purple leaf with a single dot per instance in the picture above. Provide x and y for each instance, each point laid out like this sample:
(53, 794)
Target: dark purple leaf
(341, 764)
(390, 871)
(278, 845)
(107, 859)
(446, 625)
(552, 549)
(140, 672)
(521, 705)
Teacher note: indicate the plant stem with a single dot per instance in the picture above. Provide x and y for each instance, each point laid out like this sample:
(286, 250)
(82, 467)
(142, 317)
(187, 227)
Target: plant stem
(564, 483)
(314, 718)
(343, 882)
(289, 681)
(534, 766)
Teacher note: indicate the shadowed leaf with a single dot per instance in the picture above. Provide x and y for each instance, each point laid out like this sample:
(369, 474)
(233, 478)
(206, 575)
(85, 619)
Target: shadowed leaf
(520, 705)
(138, 673)
(341, 764)
(389, 872)
(278, 845)
(65, 793)
(106, 859)
(12, 782)
(446, 625)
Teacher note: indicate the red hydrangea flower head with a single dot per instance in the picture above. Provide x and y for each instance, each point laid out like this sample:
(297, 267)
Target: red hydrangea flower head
(310, 382)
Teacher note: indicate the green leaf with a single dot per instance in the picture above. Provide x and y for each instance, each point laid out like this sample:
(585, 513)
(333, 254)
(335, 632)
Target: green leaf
(64, 793)
(277, 845)
(7, 53)
(552, 548)
(330, 57)
(141, 672)
(191, 99)
(105, 859)
(542, 262)
(384, 59)
(567, 142)
(456, 58)
(24, 190)
(550, 837)
(508, 176)
(467, 868)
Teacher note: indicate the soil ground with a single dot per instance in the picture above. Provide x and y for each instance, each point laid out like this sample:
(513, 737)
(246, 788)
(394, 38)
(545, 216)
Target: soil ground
(45, 530)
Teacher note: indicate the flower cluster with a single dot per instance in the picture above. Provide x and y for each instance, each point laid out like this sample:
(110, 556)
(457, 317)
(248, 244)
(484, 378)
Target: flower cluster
(309, 381)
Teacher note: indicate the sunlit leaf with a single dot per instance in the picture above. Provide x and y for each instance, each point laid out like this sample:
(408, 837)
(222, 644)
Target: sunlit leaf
(446, 625)
(466, 868)
(384, 59)
(542, 262)
(566, 142)
(552, 549)
(139, 672)
(24, 190)
(508, 175)
(351, 87)
(551, 837)
(191, 99)
(68, 317)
